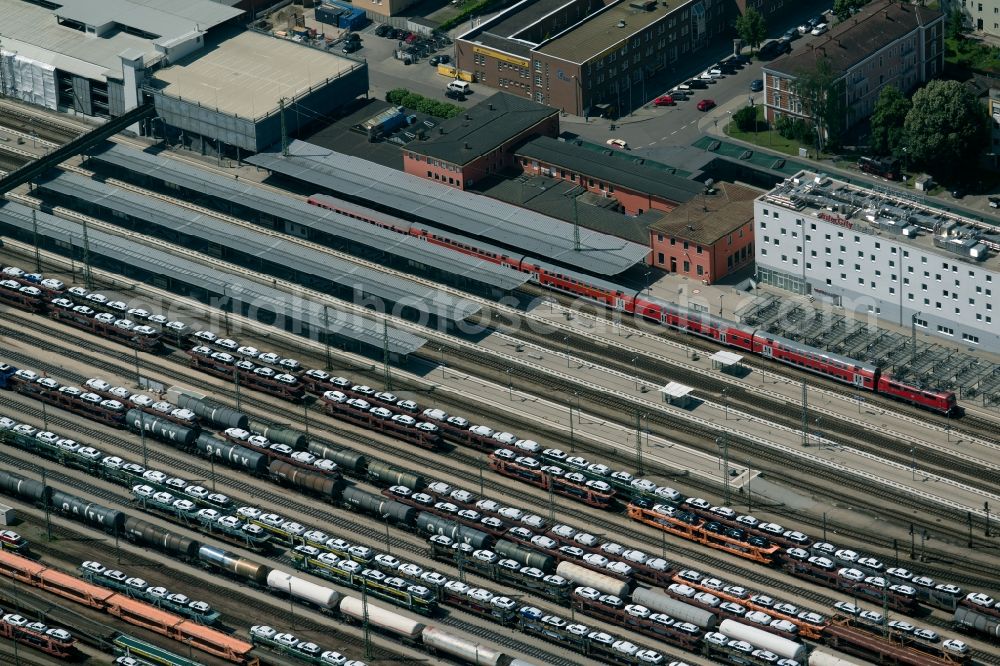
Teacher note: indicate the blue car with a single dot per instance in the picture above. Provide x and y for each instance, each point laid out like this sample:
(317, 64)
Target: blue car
(756, 85)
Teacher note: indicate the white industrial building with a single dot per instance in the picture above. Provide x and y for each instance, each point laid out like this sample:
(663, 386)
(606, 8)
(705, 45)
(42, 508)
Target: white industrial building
(87, 56)
(872, 251)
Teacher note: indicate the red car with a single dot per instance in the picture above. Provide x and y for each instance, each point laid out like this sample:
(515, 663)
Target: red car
(664, 100)
(706, 104)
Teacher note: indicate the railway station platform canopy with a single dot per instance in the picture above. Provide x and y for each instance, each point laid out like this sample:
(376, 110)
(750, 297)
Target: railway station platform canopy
(676, 394)
(524, 231)
(250, 201)
(726, 361)
(216, 287)
(260, 251)
(932, 365)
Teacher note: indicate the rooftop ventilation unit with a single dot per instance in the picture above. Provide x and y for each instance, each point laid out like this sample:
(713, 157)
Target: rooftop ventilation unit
(644, 5)
(621, 23)
(961, 240)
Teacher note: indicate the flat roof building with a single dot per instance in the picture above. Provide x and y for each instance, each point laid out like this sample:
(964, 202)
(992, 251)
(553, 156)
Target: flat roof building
(68, 54)
(480, 141)
(588, 57)
(875, 251)
(227, 100)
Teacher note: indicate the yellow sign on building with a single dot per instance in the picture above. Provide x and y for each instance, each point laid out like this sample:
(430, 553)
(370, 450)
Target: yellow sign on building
(503, 57)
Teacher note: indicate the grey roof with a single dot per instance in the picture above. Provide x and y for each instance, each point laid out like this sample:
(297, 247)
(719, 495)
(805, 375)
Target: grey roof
(482, 129)
(388, 289)
(344, 324)
(628, 173)
(33, 31)
(294, 210)
(551, 196)
(538, 235)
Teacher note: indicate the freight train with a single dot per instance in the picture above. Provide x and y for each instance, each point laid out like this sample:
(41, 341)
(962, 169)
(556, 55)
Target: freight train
(126, 608)
(858, 373)
(51, 640)
(661, 507)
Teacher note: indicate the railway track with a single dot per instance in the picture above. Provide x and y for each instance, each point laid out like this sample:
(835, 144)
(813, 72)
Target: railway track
(974, 426)
(46, 129)
(250, 490)
(984, 476)
(270, 499)
(942, 464)
(610, 526)
(779, 467)
(777, 464)
(850, 430)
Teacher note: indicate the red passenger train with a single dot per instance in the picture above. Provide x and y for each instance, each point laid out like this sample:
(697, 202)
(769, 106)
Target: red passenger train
(839, 368)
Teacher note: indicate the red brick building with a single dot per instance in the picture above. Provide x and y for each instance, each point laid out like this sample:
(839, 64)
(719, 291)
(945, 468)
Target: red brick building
(708, 237)
(638, 187)
(887, 43)
(480, 141)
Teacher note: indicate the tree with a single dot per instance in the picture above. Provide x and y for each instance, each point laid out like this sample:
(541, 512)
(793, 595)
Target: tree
(821, 92)
(746, 118)
(887, 121)
(946, 130)
(843, 9)
(751, 27)
(955, 24)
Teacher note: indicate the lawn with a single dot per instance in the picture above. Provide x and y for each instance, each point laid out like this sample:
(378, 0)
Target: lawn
(764, 137)
(972, 55)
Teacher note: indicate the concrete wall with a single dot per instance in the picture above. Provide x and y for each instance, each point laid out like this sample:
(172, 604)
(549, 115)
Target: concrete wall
(881, 274)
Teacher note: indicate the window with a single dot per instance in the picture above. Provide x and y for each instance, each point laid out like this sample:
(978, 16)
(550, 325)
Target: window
(970, 338)
(763, 251)
(687, 266)
(892, 290)
(828, 265)
(945, 330)
(701, 270)
(861, 281)
(659, 258)
(922, 323)
(698, 249)
(763, 223)
(937, 304)
(784, 258)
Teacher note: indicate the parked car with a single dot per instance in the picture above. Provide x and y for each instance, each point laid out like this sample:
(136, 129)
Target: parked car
(756, 85)
(706, 104)
(664, 100)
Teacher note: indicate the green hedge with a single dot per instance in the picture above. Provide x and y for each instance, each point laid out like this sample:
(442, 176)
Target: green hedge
(415, 102)
(468, 11)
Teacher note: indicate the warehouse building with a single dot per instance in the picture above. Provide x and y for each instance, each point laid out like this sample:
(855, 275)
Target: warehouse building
(217, 89)
(872, 251)
(87, 56)
(887, 43)
(587, 57)
(229, 101)
(480, 141)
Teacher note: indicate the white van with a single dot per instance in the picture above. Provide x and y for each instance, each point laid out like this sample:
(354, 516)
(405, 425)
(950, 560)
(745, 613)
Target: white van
(459, 87)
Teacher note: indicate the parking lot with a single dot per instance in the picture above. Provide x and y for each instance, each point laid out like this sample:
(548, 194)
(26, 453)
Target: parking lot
(385, 72)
